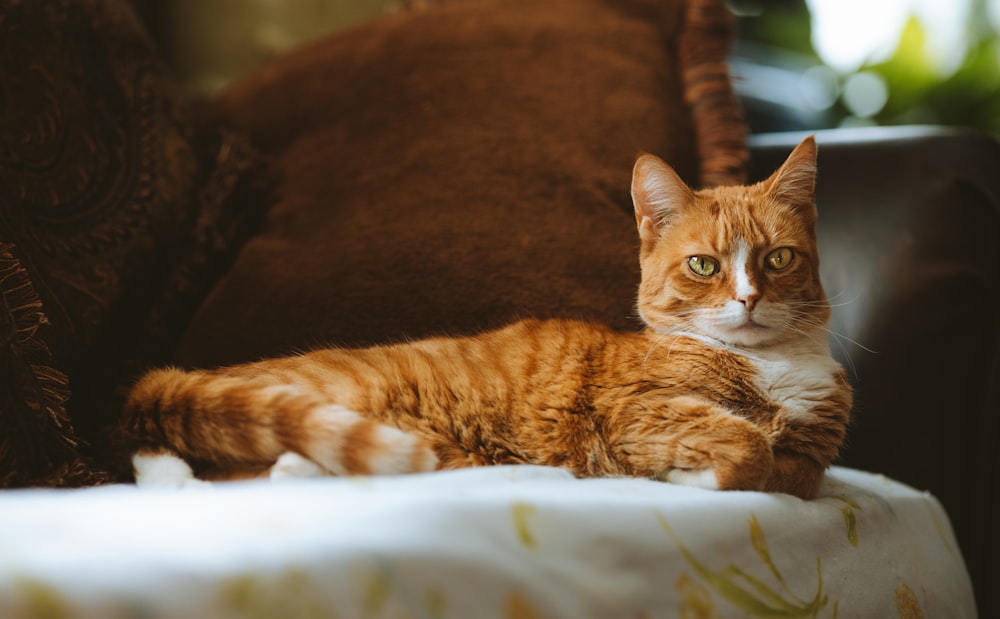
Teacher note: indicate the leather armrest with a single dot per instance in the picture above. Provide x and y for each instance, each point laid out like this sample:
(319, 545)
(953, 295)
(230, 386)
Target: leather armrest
(909, 234)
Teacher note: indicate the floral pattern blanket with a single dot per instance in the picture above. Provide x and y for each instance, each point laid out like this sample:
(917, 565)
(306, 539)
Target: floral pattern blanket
(514, 541)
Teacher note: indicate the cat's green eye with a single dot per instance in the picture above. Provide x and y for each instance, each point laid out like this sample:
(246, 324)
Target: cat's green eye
(779, 259)
(703, 265)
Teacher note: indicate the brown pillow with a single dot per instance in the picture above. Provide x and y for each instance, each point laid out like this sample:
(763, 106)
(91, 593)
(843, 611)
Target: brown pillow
(113, 210)
(455, 167)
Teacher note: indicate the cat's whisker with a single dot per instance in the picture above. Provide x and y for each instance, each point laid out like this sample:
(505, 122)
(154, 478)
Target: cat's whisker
(847, 357)
(652, 347)
(677, 337)
(657, 342)
(837, 295)
(818, 304)
(839, 336)
(844, 304)
(815, 304)
(840, 344)
(842, 337)
(812, 335)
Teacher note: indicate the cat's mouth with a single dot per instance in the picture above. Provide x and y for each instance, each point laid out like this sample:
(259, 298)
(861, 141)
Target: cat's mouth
(742, 327)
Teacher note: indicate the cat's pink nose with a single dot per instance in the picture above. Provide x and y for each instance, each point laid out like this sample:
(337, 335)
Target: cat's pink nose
(746, 290)
(749, 299)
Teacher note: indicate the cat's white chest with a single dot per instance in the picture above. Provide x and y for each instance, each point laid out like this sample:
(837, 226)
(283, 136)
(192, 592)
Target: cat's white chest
(797, 377)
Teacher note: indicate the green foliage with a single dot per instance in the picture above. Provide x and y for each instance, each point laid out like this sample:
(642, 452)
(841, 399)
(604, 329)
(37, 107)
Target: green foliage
(917, 93)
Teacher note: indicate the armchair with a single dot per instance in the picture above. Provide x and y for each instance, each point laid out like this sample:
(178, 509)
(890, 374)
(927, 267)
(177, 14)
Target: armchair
(405, 178)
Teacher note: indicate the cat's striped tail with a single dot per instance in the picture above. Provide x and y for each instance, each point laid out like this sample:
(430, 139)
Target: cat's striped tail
(223, 420)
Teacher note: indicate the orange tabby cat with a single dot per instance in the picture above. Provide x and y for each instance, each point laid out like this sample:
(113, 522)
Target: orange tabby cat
(731, 386)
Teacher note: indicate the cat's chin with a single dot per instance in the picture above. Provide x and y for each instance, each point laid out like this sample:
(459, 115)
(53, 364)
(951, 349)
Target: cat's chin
(750, 335)
(736, 326)
(747, 336)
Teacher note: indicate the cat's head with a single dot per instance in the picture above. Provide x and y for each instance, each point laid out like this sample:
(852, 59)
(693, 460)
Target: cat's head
(737, 264)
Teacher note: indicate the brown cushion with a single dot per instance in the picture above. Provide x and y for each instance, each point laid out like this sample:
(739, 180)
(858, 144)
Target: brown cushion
(111, 205)
(455, 167)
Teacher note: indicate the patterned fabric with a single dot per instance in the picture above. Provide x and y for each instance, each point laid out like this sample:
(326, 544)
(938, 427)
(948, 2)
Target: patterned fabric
(515, 541)
(111, 203)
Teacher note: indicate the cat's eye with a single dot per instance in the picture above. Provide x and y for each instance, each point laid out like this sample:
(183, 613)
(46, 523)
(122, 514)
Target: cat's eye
(779, 259)
(703, 265)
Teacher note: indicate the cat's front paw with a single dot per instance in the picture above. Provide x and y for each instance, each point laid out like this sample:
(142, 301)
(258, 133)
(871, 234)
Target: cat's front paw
(291, 465)
(701, 445)
(721, 463)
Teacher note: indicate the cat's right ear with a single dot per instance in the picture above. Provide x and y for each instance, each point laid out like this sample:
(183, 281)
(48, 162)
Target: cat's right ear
(657, 192)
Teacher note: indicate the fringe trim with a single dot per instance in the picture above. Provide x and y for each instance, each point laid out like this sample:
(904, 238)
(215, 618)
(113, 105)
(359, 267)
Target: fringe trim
(232, 198)
(39, 445)
(720, 134)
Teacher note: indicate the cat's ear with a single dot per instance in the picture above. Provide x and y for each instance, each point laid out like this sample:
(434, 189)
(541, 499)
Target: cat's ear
(794, 183)
(657, 193)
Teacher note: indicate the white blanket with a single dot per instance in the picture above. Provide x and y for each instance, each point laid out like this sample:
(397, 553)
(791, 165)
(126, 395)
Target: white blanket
(516, 541)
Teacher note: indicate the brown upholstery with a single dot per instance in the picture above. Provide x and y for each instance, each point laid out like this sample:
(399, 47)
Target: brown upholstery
(909, 232)
(115, 215)
(453, 168)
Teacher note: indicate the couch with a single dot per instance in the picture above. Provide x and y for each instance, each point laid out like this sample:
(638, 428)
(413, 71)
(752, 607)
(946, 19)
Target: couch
(136, 229)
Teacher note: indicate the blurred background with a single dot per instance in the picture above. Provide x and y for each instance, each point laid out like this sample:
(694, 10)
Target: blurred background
(797, 64)
(803, 64)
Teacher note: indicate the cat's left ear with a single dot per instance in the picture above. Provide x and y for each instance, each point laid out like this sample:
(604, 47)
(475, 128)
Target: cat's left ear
(657, 193)
(794, 183)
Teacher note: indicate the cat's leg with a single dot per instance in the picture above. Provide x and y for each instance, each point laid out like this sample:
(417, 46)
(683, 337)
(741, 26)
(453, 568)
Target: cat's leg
(692, 442)
(805, 448)
(806, 445)
(795, 474)
(249, 417)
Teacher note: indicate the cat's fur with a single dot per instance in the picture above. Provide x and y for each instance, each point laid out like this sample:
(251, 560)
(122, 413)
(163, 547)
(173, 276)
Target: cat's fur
(731, 386)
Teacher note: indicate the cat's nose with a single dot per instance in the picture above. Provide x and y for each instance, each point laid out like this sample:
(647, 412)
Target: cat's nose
(749, 299)
(746, 290)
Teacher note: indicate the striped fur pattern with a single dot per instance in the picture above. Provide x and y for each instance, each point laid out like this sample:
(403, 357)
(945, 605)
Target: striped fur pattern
(731, 386)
